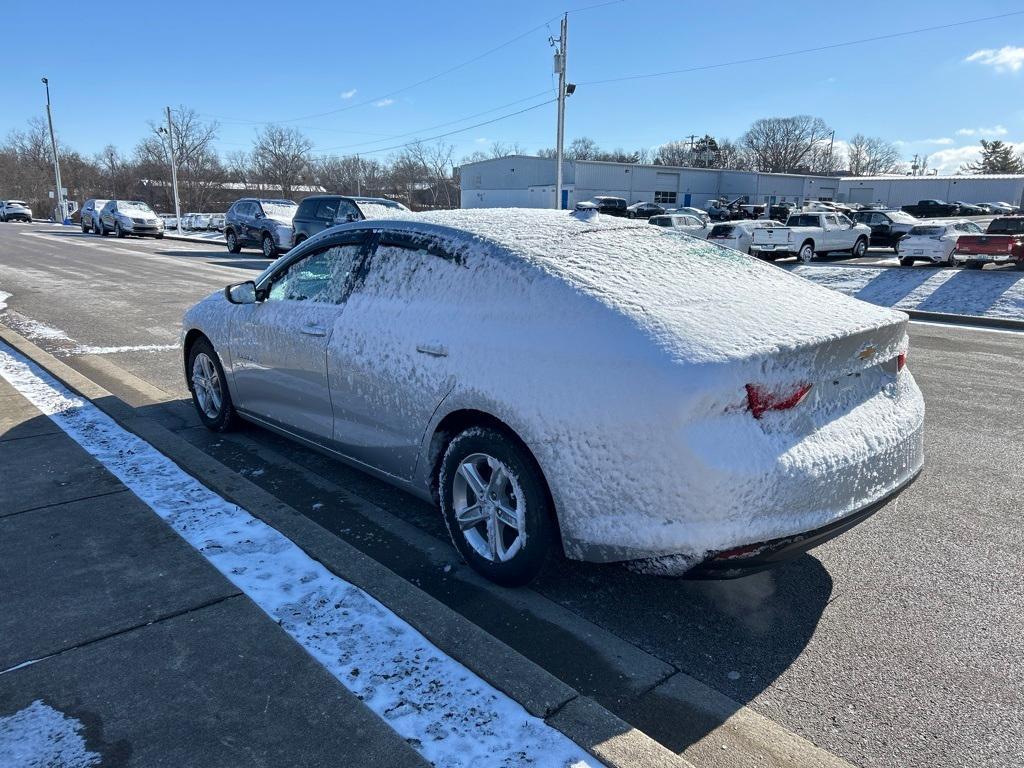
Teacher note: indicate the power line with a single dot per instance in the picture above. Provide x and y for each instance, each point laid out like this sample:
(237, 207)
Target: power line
(461, 130)
(800, 51)
(435, 127)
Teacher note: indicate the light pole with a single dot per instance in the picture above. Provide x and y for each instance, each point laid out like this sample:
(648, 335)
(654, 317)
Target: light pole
(169, 130)
(560, 69)
(61, 203)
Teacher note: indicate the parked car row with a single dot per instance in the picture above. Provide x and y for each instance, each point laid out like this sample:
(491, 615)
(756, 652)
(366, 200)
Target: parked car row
(15, 210)
(121, 218)
(274, 226)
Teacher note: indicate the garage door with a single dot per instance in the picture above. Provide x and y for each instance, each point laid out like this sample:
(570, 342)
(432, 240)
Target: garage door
(666, 182)
(862, 194)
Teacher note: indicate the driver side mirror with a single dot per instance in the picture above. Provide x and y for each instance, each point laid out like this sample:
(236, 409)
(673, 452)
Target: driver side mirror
(241, 293)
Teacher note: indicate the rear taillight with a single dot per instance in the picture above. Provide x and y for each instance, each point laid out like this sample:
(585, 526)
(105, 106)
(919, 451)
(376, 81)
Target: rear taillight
(760, 400)
(901, 361)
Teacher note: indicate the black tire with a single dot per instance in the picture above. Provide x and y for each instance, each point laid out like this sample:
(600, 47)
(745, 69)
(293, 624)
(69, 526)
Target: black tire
(906, 262)
(804, 255)
(973, 265)
(268, 247)
(85, 228)
(539, 526)
(232, 242)
(300, 240)
(862, 246)
(226, 418)
(101, 229)
(1019, 266)
(159, 237)
(118, 231)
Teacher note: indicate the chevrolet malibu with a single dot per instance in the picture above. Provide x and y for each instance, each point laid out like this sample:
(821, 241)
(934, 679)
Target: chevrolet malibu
(572, 383)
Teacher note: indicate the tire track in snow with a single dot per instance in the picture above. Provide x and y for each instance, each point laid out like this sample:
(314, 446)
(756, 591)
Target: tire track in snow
(447, 713)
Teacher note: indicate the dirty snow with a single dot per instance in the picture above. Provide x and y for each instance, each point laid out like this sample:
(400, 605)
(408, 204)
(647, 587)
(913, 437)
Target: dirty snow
(89, 349)
(985, 293)
(452, 717)
(39, 736)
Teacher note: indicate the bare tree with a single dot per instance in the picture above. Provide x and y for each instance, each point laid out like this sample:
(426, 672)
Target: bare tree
(340, 174)
(785, 144)
(436, 159)
(582, 148)
(870, 156)
(199, 168)
(281, 157)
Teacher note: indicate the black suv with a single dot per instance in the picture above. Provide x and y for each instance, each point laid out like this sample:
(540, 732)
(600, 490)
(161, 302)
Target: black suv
(319, 212)
(612, 206)
(263, 224)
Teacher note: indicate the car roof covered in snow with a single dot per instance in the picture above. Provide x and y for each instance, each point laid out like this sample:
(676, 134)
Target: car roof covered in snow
(703, 301)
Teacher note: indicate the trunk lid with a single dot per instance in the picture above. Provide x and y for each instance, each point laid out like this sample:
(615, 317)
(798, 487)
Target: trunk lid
(986, 244)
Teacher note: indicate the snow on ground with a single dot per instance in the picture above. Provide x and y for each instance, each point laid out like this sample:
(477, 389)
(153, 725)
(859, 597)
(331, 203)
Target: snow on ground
(988, 293)
(201, 237)
(39, 736)
(447, 713)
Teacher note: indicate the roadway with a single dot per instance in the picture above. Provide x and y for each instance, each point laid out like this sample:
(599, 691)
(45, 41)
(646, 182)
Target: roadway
(896, 645)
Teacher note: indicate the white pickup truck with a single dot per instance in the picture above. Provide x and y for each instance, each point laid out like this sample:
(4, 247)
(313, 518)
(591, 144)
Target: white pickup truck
(807, 234)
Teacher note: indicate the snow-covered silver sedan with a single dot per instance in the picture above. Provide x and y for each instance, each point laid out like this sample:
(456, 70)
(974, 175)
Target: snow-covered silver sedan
(571, 382)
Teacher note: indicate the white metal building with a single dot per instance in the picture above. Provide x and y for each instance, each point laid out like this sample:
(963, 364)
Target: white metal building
(524, 181)
(903, 190)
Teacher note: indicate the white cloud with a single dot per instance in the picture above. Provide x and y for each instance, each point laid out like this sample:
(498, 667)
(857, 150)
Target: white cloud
(1009, 58)
(949, 160)
(348, 94)
(944, 141)
(384, 103)
(481, 140)
(995, 130)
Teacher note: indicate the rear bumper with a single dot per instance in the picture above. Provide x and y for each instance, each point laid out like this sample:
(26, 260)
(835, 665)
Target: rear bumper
(994, 258)
(743, 561)
(18, 216)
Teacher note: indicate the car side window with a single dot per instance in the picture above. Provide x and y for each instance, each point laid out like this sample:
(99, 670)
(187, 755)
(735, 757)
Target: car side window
(324, 276)
(403, 265)
(347, 211)
(326, 210)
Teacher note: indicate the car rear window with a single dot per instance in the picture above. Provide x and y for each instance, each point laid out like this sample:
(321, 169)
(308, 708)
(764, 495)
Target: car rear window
(927, 231)
(660, 221)
(722, 230)
(1006, 226)
(803, 221)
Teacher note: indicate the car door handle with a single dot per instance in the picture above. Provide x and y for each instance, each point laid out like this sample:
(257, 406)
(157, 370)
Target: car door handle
(313, 330)
(434, 350)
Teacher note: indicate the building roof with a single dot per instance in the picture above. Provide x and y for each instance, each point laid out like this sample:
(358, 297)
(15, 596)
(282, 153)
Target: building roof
(948, 177)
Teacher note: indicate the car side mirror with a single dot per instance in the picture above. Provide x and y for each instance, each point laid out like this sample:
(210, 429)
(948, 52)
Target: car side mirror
(241, 293)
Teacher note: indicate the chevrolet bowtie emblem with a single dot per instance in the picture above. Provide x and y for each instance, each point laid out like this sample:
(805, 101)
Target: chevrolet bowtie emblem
(867, 353)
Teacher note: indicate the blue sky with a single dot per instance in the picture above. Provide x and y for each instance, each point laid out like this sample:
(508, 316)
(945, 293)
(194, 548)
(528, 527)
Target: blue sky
(267, 64)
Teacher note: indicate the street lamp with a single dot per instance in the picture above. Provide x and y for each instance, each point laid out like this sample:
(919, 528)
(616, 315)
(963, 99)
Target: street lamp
(61, 202)
(174, 168)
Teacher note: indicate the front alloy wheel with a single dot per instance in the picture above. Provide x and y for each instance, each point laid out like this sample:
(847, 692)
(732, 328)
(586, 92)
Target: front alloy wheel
(209, 391)
(232, 240)
(117, 229)
(269, 249)
(860, 248)
(496, 506)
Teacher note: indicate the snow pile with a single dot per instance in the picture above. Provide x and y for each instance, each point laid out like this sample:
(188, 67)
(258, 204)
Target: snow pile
(958, 292)
(448, 714)
(39, 736)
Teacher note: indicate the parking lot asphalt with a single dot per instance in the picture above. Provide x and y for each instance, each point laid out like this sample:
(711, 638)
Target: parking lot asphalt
(894, 645)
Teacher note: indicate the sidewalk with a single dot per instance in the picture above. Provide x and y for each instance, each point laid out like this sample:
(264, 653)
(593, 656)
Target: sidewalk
(123, 645)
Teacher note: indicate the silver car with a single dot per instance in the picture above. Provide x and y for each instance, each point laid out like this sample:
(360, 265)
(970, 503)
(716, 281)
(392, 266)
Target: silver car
(128, 217)
(15, 210)
(90, 215)
(572, 382)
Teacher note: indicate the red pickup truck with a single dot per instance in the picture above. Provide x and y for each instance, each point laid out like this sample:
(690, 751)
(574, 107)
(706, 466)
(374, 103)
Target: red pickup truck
(1002, 243)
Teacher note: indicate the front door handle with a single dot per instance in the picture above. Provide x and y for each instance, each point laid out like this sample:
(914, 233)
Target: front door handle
(434, 350)
(313, 330)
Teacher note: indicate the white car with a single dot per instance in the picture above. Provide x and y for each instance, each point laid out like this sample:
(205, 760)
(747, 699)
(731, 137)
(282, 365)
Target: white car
(572, 383)
(934, 242)
(808, 234)
(682, 222)
(15, 210)
(738, 235)
(691, 211)
(1002, 209)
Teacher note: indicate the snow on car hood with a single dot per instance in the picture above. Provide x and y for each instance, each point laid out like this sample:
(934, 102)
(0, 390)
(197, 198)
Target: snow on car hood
(700, 301)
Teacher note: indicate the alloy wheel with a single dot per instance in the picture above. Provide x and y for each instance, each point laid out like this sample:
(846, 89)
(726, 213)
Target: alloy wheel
(207, 385)
(489, 507)
(268, 246)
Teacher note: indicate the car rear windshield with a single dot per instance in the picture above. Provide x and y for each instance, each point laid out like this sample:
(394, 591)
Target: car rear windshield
(927, 231)
(660, 221)
(803, 221)
(722, 230)
(133, 205)
(279, 210)
(1006, 227)
(16, 202)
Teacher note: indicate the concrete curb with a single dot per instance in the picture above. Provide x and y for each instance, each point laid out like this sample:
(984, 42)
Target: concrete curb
(187, 239)
(587, 723)
(978, 321)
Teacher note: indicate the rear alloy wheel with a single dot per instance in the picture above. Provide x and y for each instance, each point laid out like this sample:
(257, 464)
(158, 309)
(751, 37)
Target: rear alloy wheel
(269, 249)
(232, 239)
(806, 254)
(860, 248)
(951, 259)
(496, 506)
(209, 391)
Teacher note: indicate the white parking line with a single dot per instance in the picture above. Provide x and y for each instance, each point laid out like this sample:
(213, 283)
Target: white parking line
(445, 711)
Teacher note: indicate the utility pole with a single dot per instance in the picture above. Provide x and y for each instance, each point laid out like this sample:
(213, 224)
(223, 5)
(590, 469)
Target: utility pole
(359, 175)
(831, 142)
(169, 130)
(560, 141)
(61, 202)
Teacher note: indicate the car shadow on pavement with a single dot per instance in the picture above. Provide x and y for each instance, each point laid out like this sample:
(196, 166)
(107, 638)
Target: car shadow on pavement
(973, 292)
(735, 637)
